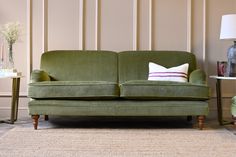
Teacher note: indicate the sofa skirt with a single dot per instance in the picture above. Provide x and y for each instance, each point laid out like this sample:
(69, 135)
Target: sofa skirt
(117, 108)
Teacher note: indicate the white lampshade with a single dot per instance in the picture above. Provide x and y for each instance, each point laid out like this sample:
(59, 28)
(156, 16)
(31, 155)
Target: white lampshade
(228, 27)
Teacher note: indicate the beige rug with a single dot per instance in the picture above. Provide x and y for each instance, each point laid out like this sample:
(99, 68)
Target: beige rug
(26, 142)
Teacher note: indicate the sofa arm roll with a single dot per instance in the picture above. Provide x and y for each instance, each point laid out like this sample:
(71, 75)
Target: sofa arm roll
(38, 76)
(197, 77)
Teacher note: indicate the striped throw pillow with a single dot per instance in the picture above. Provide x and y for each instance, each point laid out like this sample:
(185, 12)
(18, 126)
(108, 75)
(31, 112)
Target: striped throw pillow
(160, 73)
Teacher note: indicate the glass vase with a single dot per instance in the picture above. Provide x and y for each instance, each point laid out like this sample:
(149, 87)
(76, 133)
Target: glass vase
(10, 57)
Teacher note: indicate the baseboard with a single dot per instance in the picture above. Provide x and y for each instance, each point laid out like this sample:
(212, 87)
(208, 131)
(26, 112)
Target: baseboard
(9, 108)
(8, 94)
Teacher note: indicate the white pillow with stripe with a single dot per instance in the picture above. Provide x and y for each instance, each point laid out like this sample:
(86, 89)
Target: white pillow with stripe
(160, 73)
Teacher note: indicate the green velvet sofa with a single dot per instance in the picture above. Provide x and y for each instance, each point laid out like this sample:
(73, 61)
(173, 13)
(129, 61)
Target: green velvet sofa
(106, 83)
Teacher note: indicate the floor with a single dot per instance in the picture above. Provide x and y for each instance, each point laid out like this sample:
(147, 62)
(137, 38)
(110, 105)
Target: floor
(114, 122)
(24, 120)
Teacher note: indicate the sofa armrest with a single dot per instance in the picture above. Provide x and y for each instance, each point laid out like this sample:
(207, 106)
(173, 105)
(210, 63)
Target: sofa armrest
(39, 75)
(197, 77)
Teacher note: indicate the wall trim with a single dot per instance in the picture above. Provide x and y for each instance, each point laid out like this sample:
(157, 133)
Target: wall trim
(97, 24)
(29, 40)
(45, 25)
(205, 62)
(81, 24)
(150, 25)
(9, 94)
(189, 25)
(9, 108)
(135, 24)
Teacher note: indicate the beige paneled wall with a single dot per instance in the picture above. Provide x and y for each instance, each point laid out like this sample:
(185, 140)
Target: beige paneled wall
(110, 25)
(198, 31)
(217, 49)
(116, 24)
(143, 25)
(63, 24)
(170, 25)
(37, 33)
(91, 26)
(15, 10)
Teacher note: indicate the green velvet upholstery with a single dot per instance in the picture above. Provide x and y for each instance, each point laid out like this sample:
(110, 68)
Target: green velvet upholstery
(76, 75)
(118, 108)
(106, 83)
(197, 77)
(74, 90)
(68, 65)
(163, 90)
(39, 76)
(133, 65)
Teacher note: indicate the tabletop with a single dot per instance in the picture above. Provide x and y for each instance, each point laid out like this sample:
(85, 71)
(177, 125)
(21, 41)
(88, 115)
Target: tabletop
(222, 77)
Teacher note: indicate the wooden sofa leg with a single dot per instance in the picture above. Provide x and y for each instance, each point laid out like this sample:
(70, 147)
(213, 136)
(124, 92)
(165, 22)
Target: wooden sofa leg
(35, 121)
(46, 117)
(201, 122)
(234, 119)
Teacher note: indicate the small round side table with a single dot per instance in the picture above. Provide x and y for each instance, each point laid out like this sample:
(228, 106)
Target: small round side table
(219, 98)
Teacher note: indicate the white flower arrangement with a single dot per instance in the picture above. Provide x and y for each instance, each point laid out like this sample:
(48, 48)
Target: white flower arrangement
(11, 31)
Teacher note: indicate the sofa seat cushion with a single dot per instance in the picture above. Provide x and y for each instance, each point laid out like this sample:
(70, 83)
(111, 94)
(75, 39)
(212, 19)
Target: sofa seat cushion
(73, 90)
(163, 90)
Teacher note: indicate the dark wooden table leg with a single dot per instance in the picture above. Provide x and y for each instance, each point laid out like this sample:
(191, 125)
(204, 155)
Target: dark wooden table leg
(219, 101)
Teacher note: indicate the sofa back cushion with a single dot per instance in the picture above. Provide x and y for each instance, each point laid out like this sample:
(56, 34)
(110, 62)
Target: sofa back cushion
(134, 65)
(76, 65)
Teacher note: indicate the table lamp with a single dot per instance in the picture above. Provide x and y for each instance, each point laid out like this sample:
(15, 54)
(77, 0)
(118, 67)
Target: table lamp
(228, 31)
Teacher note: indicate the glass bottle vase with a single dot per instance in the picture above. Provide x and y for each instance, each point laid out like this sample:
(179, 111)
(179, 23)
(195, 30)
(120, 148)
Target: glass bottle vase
(10, 57)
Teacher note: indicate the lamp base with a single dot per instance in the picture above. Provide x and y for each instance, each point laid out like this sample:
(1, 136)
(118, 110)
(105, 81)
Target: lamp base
(231, 64)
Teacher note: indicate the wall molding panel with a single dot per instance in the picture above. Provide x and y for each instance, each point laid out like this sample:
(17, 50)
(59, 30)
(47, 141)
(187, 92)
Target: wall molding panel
(29, 40)
(135, 24)
(150, 23)
(45, 25)
(9, 94)
(204, 25)
(97, 24)
(81, 24)
(189, 25)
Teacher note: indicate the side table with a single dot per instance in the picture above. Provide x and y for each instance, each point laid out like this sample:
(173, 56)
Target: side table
(14, 98)
(219, 98)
